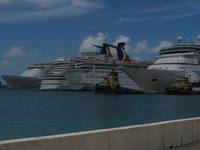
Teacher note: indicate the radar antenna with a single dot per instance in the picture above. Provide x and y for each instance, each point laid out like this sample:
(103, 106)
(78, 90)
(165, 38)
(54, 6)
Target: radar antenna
(179, 39)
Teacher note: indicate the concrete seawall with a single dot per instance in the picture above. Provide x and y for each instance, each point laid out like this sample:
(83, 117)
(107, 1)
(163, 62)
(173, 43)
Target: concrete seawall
(176, 134)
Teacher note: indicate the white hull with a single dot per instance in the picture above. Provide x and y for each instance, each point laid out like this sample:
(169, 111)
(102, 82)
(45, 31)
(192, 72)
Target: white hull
(53, 84)
(88, 80)
(20, 82)
(153, 80)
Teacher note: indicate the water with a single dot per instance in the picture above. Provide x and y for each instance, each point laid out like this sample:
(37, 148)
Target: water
(33, 113)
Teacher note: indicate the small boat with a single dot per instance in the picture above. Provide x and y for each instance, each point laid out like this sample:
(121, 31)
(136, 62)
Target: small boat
(110, 85)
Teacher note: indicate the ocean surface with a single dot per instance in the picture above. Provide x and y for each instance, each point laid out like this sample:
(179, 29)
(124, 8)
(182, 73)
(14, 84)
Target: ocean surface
(34, 113)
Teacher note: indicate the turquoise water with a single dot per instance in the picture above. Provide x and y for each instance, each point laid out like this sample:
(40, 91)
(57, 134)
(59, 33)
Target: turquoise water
(33, 113)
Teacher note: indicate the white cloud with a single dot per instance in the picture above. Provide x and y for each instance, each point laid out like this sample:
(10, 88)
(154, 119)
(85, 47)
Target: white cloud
(137, 59)
(162, 13)
(130, 19)
(198, 37)
(100, 38)
(89, 42)
(48, 3)
(161, 45)
(144, 47)
(158, 18)
(36, 9)
(44, 3)
(5, 1)
(5, 63)
(153, 10)
(14, 52)
(179, 16)
(141, 47)
(122, 38)
(18, 51)
(197, 41)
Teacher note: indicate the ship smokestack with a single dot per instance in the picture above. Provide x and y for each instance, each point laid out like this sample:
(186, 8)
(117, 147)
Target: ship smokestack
(105, 50)
(122, 55)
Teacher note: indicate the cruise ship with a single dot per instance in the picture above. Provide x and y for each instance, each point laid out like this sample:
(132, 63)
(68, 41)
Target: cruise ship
(30, 78)
(181, 59)
(88, 69)
(81, 73)
(85, 75)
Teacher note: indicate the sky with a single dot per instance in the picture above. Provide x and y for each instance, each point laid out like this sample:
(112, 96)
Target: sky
(33, 31)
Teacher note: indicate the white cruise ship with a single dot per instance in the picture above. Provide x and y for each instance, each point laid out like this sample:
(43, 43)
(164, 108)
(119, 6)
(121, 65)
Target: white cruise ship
(88, 69)
(54, 78)
(181, 59)
(30, 78)
(85, 75)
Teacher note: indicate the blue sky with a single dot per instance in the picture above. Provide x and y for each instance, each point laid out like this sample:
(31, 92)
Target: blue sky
(41, 30)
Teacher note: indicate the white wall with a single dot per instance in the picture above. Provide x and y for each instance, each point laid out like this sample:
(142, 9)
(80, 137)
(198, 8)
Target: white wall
(156, 136)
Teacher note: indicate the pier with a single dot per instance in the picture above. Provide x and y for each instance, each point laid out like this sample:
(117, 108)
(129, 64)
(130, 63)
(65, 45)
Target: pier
(177, 135)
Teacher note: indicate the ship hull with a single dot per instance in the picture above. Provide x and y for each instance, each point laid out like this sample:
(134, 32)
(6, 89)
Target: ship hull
(53, 84)
(153, 80)
(19, 82)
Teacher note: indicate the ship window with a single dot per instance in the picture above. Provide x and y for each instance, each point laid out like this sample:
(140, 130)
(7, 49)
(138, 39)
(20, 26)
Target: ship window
(154, 80)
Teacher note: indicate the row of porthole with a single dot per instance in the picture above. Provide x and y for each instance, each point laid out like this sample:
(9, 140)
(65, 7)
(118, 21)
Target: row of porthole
(53, 84)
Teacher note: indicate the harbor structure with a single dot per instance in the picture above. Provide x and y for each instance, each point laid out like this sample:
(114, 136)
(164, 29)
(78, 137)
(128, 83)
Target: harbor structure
(177, 135)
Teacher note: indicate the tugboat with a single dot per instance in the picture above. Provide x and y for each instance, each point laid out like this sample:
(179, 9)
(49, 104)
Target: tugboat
(181, 86)
(110, 85)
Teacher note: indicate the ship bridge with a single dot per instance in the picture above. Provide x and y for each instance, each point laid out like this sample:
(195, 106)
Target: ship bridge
(180, 48)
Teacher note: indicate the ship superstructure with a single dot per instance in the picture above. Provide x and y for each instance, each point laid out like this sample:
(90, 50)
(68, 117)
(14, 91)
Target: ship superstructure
(181, 59)
(54, 78)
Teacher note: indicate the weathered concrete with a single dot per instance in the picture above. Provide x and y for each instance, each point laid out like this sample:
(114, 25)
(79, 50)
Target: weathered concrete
(178, 135)
(194, 146)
